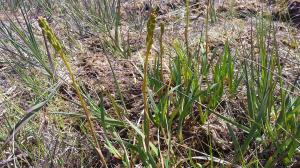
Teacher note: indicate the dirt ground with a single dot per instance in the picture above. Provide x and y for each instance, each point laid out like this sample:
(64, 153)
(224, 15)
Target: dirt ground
(92, 67)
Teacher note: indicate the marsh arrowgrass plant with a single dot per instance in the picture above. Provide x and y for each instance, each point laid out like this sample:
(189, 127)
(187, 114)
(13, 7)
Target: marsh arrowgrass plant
(58, 48)
(149, 42)
(193, 91)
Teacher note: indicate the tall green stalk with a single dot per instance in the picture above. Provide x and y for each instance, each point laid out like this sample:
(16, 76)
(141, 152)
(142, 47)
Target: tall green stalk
(149, 42)
(58, 48)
